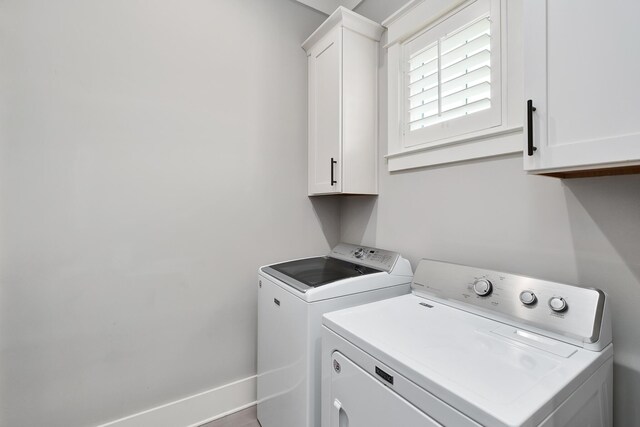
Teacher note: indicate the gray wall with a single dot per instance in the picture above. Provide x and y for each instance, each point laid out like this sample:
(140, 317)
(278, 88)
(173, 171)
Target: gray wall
(152, 156)
(490, 213)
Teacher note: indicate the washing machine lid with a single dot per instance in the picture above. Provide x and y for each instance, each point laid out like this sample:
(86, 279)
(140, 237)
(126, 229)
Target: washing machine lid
(493, 373)
(345, 263)
(308, 273)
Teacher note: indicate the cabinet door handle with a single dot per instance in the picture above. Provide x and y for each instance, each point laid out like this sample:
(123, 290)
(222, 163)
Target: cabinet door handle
(530, 110)
(333, 181)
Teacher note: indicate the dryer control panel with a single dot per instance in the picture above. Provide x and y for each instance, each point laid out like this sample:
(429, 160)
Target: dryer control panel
(569, 312)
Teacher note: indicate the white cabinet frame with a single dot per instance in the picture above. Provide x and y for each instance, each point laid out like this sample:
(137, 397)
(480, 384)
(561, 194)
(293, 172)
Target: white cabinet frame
(583, 119)
(343, 105)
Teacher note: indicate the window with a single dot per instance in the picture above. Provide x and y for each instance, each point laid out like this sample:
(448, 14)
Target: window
(448, 80)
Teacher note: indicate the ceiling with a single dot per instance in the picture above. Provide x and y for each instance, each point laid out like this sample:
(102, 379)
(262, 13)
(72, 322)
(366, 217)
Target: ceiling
(329, 6)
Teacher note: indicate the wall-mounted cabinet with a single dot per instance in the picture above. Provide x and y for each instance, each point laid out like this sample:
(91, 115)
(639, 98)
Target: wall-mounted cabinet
(581, 69)
(343, 81)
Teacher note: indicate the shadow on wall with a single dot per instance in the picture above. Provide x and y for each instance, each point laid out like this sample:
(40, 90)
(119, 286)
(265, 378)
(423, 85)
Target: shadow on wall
(612, 204)
(327, 210)
(626, 396)
(604, 215)
(359, 227)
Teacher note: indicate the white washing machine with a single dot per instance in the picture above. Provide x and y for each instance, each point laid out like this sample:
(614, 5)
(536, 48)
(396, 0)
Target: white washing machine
(292, 297)
(470, 347)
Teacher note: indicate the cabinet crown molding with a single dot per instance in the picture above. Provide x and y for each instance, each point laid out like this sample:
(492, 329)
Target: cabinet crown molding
(346, 19)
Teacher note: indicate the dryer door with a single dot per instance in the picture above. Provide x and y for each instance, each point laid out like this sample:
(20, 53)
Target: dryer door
(360, 400)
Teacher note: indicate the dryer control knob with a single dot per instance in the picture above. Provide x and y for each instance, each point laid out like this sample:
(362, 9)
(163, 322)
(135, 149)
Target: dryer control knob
(558, 304)
(528, 298)
(359, 253)
(482, 287)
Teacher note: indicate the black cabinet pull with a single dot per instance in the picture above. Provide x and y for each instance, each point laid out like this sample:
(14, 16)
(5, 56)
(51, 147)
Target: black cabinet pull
(530, 110)
(333, 181)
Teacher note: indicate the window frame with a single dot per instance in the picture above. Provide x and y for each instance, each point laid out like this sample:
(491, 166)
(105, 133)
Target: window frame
(477, 135)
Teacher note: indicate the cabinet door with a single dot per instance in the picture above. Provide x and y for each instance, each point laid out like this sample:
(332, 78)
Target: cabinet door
(582, 65)
(359, 400)
(325, 114)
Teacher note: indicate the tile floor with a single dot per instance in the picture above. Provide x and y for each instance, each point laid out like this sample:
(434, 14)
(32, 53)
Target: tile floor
(244, 418)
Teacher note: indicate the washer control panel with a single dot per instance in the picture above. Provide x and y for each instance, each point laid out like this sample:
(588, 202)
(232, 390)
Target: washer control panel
(567, 310)
(367, 256)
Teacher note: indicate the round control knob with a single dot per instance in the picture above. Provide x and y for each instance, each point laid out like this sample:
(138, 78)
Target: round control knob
(482, 287)
(558, 304)
(359, 253)
(528, 298)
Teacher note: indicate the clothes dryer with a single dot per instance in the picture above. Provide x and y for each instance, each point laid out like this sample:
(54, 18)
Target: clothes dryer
(470, 347)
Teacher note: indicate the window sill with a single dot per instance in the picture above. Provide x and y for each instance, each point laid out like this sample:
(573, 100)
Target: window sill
(487, 143)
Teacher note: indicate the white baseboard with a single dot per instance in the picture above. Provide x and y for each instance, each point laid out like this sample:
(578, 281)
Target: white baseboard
(195, 410)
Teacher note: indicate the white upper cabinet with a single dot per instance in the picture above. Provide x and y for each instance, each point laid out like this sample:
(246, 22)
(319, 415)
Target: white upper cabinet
(343, 81)
(582, 65)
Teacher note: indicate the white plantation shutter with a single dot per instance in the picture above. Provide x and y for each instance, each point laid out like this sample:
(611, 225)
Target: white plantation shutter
(450, 78)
